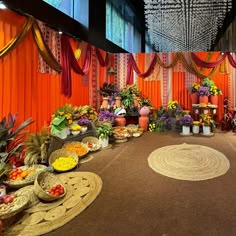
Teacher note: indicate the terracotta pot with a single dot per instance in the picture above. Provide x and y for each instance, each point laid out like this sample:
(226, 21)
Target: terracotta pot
(203, 99)
(214, 99)
(144, 111)
(120, 121)
(143, 122)
(194, 98)
(118, 101)
(105, 102)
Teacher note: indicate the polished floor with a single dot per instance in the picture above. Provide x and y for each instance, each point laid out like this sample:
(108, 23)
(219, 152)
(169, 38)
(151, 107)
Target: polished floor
(135, 200)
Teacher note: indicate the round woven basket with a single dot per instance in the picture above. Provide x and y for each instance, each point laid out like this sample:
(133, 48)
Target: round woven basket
(95, 141)
(43, 183)
(80, 148)
(63, 153)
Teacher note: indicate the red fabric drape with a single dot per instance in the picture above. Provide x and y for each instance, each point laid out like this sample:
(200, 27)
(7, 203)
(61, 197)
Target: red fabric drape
(100, 58)
(205, 64)
(69, 61)
(231, 60)
(133, 66)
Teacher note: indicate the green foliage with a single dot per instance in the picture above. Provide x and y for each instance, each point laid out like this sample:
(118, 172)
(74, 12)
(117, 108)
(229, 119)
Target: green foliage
(104, 130)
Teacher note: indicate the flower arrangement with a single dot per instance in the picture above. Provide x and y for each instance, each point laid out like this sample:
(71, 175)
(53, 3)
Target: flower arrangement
(195, 86)
(108, 89)
(61, 118)
(85, 111)
(214, 90)
(203, 91)
(186, 120)
(172, 105)
(207, 120)
(107, 116)
(83, 121)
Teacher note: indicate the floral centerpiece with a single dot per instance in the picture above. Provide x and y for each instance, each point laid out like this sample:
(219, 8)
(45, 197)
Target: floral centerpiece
(195, 86)
(85, 111)
(61, 119)
(186, 120)
(173, 107)
(203, 91)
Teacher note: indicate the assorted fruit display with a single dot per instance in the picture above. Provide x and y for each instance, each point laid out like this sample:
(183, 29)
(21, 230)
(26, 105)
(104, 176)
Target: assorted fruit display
(56, 190)
(20, 174)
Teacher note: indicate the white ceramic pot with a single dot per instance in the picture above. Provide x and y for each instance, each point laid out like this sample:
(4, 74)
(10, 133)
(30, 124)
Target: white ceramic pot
(63, 134)
(185, 130)
(74, 133)
(83, 129)
(104, 142)
(206, 130)
(196, 129)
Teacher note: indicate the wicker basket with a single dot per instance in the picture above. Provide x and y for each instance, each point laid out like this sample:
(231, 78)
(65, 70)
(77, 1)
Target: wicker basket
(44, 182)
(18, 205)
(77, 145)
(63, 153)
(95, 141)
(29, 179)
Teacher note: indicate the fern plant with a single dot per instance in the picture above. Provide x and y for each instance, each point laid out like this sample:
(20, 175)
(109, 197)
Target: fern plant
(36, 147)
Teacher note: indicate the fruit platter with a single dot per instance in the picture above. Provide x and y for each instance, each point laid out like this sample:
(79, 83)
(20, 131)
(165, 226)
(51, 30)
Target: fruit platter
(93, 143)
(120, 133)
(11, 204)
(23, 175)
(79, 148)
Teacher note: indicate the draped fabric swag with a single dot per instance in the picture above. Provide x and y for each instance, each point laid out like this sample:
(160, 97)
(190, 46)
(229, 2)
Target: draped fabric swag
(31, 94)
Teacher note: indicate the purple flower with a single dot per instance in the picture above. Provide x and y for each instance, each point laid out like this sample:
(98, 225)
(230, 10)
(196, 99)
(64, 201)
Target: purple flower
(186, 120)
(83, 121)
(105, 115)
(203, 91)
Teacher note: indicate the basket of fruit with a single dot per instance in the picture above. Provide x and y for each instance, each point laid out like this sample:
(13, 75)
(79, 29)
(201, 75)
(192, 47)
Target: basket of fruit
(23, 175)
(80, 148)
(63, 160)
(11, 204)
(93, 143)
(48, 187)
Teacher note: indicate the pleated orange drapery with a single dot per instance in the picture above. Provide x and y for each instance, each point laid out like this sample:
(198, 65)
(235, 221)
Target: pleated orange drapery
(150, 89)
(22, 89)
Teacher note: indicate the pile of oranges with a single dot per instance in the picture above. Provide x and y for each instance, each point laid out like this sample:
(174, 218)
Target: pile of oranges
(20, 174)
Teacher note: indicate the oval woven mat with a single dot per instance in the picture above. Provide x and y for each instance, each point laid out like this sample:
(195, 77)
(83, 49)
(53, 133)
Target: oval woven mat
(188, 162)
(82, 190)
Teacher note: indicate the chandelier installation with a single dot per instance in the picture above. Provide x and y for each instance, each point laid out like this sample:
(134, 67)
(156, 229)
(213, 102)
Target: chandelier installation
(184, 25)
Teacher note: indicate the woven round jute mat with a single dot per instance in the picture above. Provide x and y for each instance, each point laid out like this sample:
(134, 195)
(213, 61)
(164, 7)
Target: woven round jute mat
(188, 162)
(41, 218)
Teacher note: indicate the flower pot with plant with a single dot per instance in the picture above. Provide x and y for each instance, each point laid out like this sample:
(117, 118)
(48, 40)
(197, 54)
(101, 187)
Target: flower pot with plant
(207, 123)
(61, 119)
(204, 93)
(104, 131)
(186, 121)
(193, 92)
(83, 122)
(214, 93)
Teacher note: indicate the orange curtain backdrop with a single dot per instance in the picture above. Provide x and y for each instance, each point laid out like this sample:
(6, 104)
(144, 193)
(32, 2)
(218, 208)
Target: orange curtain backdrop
(179, 91)
(150, 89)
(22, 89)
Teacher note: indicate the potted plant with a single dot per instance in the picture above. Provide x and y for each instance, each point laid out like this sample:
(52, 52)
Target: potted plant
(61, 119)
(83, 122)
(196, 127)
(193, 92)
(186, 121)
(104, 131)
(203, 93)
(106, 116)
(214, 92)
(207, 123)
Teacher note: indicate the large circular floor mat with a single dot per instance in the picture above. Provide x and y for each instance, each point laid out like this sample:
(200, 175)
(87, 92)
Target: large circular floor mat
(82, 190)
(188, 162)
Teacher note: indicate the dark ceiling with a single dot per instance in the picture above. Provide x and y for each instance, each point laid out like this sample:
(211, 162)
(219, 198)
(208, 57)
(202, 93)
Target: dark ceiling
(96, 33)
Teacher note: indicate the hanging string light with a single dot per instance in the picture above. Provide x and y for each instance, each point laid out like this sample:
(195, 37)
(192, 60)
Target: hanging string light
(184, 25)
